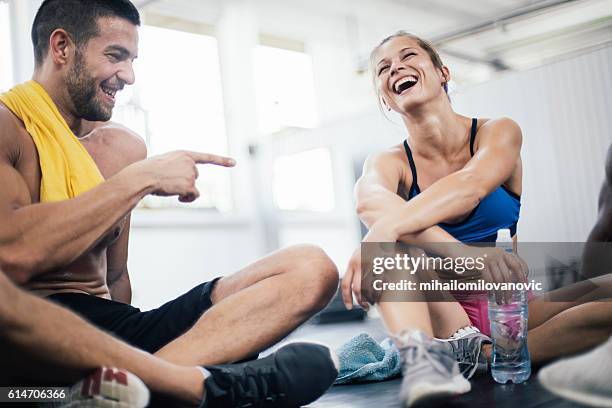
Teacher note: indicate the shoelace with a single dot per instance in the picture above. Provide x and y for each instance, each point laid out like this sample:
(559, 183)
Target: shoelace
(464, 331)
(465, 351)
(412, 353)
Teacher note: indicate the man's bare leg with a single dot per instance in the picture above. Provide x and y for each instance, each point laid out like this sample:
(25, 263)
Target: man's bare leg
(571, 331)
(257, 306)
(578, 317)
(581, 321)
(40, 341)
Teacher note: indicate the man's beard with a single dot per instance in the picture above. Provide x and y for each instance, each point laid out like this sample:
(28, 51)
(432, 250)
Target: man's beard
(83, 92)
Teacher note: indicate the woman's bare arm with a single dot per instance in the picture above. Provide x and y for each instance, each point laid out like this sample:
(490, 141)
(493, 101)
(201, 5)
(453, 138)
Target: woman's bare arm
(376, 196)
(451, 196)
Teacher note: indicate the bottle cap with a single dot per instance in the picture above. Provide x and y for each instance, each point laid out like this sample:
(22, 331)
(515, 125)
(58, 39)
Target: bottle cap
(503, 235)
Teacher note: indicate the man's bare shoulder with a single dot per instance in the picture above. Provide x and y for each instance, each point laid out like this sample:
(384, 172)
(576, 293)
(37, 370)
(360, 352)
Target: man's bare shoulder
(126, 146)
(10, 127)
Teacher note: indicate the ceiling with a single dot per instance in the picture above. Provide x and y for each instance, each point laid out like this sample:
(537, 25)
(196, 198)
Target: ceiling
(476, 37)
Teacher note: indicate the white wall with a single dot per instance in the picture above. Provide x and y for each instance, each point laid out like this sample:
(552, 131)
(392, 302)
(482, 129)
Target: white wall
(563, 109)
(172, 251)
(22, 14)
(564, 112)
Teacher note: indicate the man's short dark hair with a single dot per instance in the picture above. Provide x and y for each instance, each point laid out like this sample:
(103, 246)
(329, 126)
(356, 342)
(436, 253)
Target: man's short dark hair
(78, 17)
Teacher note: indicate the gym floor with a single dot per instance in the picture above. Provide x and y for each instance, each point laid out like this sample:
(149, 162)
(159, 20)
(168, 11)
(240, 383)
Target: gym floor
(485, 392)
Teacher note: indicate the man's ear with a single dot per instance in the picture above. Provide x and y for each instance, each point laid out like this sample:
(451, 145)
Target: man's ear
(61, 46)
(446, 75)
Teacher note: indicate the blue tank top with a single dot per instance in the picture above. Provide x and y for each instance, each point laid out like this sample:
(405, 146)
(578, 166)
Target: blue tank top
(500, 209)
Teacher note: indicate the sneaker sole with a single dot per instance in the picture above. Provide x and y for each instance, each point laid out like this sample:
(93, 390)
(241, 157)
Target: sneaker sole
(573, 395)
(425, 390)
(109, 388)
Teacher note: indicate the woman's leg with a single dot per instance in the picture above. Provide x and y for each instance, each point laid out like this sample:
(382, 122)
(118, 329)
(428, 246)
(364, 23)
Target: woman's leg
(447, 318)
(435, 314)
(436, 319)
(400, 316)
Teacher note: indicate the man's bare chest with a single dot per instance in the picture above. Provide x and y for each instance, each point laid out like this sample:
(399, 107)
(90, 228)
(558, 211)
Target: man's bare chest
(28, 166)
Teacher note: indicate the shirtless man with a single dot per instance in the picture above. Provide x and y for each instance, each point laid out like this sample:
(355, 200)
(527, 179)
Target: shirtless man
(51, 344)
(587, 378)
(75, 251)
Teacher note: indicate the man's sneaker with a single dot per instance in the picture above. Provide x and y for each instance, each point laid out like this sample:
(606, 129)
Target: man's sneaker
(429, 369)
(108, 388)
(466, 347)
(586, 378)
(294, 375)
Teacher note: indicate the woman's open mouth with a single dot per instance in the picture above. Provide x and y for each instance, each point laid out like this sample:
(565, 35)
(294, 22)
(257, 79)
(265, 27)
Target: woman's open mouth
(405, 83)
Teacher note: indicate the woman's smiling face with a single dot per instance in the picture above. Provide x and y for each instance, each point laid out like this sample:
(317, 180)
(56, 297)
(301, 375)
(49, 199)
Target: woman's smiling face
(405, 75)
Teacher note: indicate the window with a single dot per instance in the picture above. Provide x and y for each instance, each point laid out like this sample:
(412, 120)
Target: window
(304, 181)
(284, 88)
(177, 103)
(6, 54)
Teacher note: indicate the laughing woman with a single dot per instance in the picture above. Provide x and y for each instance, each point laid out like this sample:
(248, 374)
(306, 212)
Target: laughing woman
(458, 180)
(455, 179)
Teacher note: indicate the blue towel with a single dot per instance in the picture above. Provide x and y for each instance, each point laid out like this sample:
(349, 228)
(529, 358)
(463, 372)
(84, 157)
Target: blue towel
(362, 359)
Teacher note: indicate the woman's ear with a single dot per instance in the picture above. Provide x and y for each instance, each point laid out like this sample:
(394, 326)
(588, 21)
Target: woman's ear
(385, 104)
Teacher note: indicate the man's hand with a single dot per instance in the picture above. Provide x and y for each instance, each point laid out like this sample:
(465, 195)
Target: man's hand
(175, 173)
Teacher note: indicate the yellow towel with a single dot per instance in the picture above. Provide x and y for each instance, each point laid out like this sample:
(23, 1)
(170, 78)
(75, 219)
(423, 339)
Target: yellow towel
(67, 168)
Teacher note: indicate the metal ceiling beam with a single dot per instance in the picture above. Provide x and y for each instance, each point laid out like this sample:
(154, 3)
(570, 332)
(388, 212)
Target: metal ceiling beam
(438, 8)
(494, 22)
(144, 3)
(496, 63)
(491, 23)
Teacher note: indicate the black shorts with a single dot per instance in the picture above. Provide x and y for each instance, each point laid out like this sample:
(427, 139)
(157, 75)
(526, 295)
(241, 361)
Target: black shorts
(148, 331)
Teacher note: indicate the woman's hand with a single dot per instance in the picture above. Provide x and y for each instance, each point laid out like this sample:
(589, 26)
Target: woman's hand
(500, 267)
(351, 282)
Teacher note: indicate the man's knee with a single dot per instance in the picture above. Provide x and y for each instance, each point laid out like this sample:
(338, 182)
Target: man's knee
(319, 276)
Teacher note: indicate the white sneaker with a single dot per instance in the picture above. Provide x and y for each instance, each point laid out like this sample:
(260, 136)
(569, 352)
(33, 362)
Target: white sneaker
(466, 347)
(586, 378)
(429, 369)
(108, 388)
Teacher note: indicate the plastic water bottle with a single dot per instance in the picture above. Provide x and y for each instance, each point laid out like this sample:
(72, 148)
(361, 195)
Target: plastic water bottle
(510, 359)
